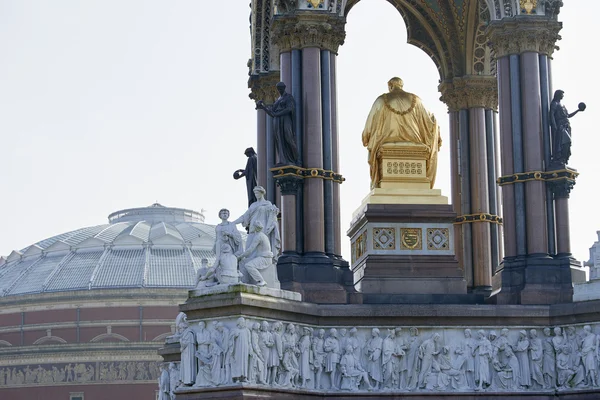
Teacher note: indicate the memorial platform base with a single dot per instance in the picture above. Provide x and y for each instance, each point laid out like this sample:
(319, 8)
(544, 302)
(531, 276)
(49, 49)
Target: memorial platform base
(406, 249)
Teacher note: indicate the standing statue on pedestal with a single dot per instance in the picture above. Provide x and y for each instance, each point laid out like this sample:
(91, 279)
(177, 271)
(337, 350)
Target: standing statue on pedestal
(400, 117)
(561, 128)
(188, 356)
(284, 116)
(250, 173)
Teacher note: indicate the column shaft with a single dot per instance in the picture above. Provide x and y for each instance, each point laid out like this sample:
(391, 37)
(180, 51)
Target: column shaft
(492, 187)
(563, 236)
(545, 93)
(465, 198)
(288, 223)
(517, 154)
(508, 191)
(270, 150)
(327, 151)
(261, 148)
(535, 191)
(297, 93)
(335, 159)
(456, 184)
(482, 273)
(285, 69)
(500, 205)
(314, 232)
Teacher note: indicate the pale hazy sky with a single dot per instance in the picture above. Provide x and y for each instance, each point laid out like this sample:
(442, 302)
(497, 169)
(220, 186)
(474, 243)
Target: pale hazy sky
(112, 104)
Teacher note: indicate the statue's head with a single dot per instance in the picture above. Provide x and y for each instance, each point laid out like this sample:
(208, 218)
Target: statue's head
(249, 152)
(558, 95)
(280, 87)
(395, 84)
(259, 192)
(256, 226)
(223, 214)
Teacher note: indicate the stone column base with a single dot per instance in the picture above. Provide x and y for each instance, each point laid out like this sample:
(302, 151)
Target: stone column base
(535, 280)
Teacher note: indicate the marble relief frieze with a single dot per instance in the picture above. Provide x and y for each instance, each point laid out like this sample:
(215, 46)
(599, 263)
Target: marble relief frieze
(278, 354)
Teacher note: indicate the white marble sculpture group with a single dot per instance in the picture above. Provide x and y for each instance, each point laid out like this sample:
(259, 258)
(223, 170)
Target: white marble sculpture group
(256, 264)
(283, 355)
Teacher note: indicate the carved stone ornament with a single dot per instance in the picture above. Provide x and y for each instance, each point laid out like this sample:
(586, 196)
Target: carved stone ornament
(320, 30)
(262, 87)
(284, 355)
(524, 34)
(470, 92)
(289, 185)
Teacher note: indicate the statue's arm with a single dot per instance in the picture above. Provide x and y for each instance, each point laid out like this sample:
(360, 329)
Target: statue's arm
(552, 117)
(573, 113)
(287, 109)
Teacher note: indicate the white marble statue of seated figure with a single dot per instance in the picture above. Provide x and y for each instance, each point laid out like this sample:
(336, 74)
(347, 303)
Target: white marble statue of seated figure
(223, 272)
(258, 254)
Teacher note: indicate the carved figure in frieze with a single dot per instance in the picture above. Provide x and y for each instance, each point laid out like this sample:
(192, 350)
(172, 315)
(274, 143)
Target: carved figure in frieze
(373, 352)
(153, 370)
(521, 350)
(289, 363)
(187, 344)
(568, 375)
(589, 347)
(352, 372)
(507, 371)
(536, 354)
(142, 372)
(319, 356)
(549, 361)
(466, 357)
(332, 355)
(389, 360)
(131, 370)
(449, 376)
(257, 360)
(306, 360)
(276, 356)
(174, 379)
(483, 354)
(265, 343)
(400, 349)
(427, 351)
(180, 325)
(357, 344)
(122, 371)
(69, 372)
(223, 361)
(412, 359)
(204, 357)
(574, 342)
(29, 377)
(89, 374)
(164, 384)
(242, 348)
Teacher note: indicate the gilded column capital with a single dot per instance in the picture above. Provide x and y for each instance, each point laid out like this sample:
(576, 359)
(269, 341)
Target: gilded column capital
(262, 87)
(308, 30)
(522, 34)
(470, 91)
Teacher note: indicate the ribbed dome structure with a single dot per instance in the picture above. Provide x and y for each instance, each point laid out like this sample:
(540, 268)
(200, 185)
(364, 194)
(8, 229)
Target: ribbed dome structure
(152, 247)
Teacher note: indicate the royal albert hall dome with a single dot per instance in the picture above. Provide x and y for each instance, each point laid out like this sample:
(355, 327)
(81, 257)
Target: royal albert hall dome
(83, 313)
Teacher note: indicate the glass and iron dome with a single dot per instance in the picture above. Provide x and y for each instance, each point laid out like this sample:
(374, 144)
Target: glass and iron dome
(147, 247)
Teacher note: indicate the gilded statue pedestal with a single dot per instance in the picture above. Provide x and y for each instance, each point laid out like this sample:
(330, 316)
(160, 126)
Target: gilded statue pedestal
(403, 171)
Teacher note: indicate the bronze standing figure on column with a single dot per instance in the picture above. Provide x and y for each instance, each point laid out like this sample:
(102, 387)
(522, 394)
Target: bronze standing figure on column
(283, 113)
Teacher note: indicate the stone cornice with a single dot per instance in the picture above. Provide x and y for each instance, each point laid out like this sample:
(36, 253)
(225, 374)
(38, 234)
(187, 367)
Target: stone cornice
(262, 87)
(324, 31)
(524, 34)
(470, 92)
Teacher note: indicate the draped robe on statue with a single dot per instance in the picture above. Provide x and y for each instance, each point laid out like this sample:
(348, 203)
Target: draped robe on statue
(396, 117)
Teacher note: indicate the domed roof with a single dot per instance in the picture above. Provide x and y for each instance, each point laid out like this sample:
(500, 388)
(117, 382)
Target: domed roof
(148, 247)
